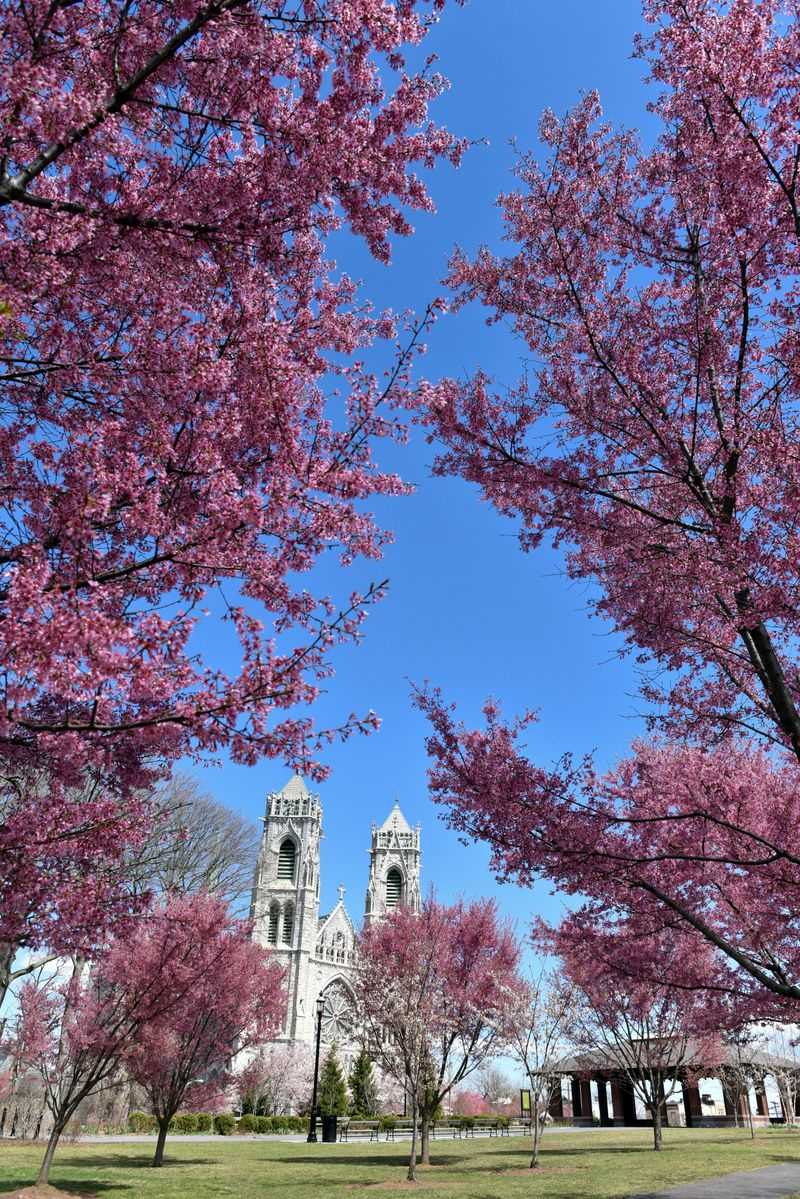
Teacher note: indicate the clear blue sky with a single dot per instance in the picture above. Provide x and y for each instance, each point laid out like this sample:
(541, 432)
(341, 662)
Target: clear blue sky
(466, 609)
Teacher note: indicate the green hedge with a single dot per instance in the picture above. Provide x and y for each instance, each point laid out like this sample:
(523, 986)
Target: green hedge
(141, 1122)
(248, 1123)
(225, 1124)
(205, 1121)
(184, 1122)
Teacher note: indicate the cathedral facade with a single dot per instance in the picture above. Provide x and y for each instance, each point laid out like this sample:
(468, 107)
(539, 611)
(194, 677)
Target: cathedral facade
(318, 950)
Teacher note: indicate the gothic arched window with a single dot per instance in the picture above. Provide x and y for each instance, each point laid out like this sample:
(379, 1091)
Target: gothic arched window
(394, 888)
(287, 858)
(272, 928)
(288, 924)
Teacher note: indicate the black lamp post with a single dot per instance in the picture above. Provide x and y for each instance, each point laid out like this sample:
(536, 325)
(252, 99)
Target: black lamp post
(312, 1126)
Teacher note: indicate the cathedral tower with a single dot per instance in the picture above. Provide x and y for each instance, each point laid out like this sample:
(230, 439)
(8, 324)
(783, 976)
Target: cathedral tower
(394, 867)
(285, 907)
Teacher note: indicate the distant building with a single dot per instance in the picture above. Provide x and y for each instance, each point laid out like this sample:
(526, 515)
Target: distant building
(318, 951)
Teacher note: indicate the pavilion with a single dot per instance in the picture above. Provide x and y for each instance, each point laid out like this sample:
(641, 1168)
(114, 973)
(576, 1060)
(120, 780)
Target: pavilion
(599, 1081)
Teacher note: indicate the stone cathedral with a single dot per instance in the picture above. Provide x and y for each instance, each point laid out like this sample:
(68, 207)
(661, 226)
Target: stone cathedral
(317, 950)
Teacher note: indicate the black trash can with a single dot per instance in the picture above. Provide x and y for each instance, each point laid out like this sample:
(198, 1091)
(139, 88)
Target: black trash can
(329, 1129)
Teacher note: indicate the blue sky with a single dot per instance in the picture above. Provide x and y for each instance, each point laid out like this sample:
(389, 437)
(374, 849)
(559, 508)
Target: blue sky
(466, 609)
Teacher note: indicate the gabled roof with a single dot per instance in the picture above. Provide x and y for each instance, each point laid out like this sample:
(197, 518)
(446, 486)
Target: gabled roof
(339, 909)
(395, 821)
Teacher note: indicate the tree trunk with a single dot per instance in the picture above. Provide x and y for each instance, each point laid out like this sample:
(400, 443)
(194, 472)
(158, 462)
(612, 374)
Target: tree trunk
(657, 1127)
(6, 958)
(536, 1134)
(163, 1129)
(425, 1138)
(47, 1161)
(412, 1161)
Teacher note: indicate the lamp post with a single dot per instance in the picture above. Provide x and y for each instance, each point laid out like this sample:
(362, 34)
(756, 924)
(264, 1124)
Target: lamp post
(312, 1126)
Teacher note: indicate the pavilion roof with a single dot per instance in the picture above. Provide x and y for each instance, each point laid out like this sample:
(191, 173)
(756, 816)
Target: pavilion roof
(609, 1059)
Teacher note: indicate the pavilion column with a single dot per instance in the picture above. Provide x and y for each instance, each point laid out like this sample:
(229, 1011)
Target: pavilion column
(629, 1102)
(744, 1105)
(556, 1106)
(692, 1104)
(602, 1100)
(586, 1098)
(762, 1107)
(726, 1099)
(576, 1097)
(617, 1102)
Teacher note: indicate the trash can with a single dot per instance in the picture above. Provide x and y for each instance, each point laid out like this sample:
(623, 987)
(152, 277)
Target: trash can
(329, 1129)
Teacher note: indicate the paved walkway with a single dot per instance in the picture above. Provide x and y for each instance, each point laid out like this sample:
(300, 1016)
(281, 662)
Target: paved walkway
(770, 1183)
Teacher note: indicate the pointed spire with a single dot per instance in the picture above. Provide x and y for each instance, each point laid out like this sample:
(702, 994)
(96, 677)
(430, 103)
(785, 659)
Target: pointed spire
(295, 787)
(395, 821)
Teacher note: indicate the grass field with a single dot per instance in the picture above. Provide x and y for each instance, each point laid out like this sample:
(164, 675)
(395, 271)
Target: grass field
(574, 1165)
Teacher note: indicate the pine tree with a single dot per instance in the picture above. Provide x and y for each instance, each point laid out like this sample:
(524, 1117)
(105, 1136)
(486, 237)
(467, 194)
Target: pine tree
(332, 1087)
(363, 1088)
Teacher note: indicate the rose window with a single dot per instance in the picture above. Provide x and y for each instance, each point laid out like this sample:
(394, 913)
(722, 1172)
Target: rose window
(337, 1014)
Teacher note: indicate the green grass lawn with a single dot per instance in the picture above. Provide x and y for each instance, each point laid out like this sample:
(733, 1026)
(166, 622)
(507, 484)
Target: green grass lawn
(592, 1165)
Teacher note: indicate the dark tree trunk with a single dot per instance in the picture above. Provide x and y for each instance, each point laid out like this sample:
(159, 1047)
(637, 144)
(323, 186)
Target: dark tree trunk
(163, 1129)
(425, 1139)
(657, 1127)
(47, 1161)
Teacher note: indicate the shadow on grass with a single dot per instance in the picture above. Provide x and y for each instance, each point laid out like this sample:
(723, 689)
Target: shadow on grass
(117, 1161)
(440, 1159)
(84, 1187)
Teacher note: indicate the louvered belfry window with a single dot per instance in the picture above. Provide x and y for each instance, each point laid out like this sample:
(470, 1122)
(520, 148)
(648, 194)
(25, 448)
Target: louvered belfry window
(272, 930)
(286, 862)
(394, 888)
(288, 924)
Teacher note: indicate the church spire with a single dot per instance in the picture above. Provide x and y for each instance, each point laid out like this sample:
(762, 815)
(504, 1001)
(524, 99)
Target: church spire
(394, 866)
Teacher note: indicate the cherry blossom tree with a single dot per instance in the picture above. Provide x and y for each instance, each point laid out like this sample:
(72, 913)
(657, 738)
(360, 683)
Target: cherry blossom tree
(79, 1034)
(64, 880)
(181, 1055)
(187, 426)
(541, 1028)
(470, 1103)
(169, 180)
(651, 1033)
(277, 1080)
(433, 988)
(703, 836)
(655, 290)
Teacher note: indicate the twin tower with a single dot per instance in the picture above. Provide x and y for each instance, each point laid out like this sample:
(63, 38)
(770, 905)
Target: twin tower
(317, 951)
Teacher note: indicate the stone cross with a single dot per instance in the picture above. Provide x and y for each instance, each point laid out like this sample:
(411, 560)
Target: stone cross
(341, 893)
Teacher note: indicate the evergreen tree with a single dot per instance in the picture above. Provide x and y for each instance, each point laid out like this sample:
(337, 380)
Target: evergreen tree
(332, 1087)
(363, 1088)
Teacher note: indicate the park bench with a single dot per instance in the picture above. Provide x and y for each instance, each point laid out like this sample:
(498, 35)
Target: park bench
(354, 1129)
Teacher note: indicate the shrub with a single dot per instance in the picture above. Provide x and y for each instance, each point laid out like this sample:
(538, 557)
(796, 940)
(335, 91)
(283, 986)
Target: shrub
(387, 1123)
(225, 1124)
(141, 1122)
(248, 1123)
(263, 1124)
(503, 1121)
(205, 1121)
(184, 1122)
